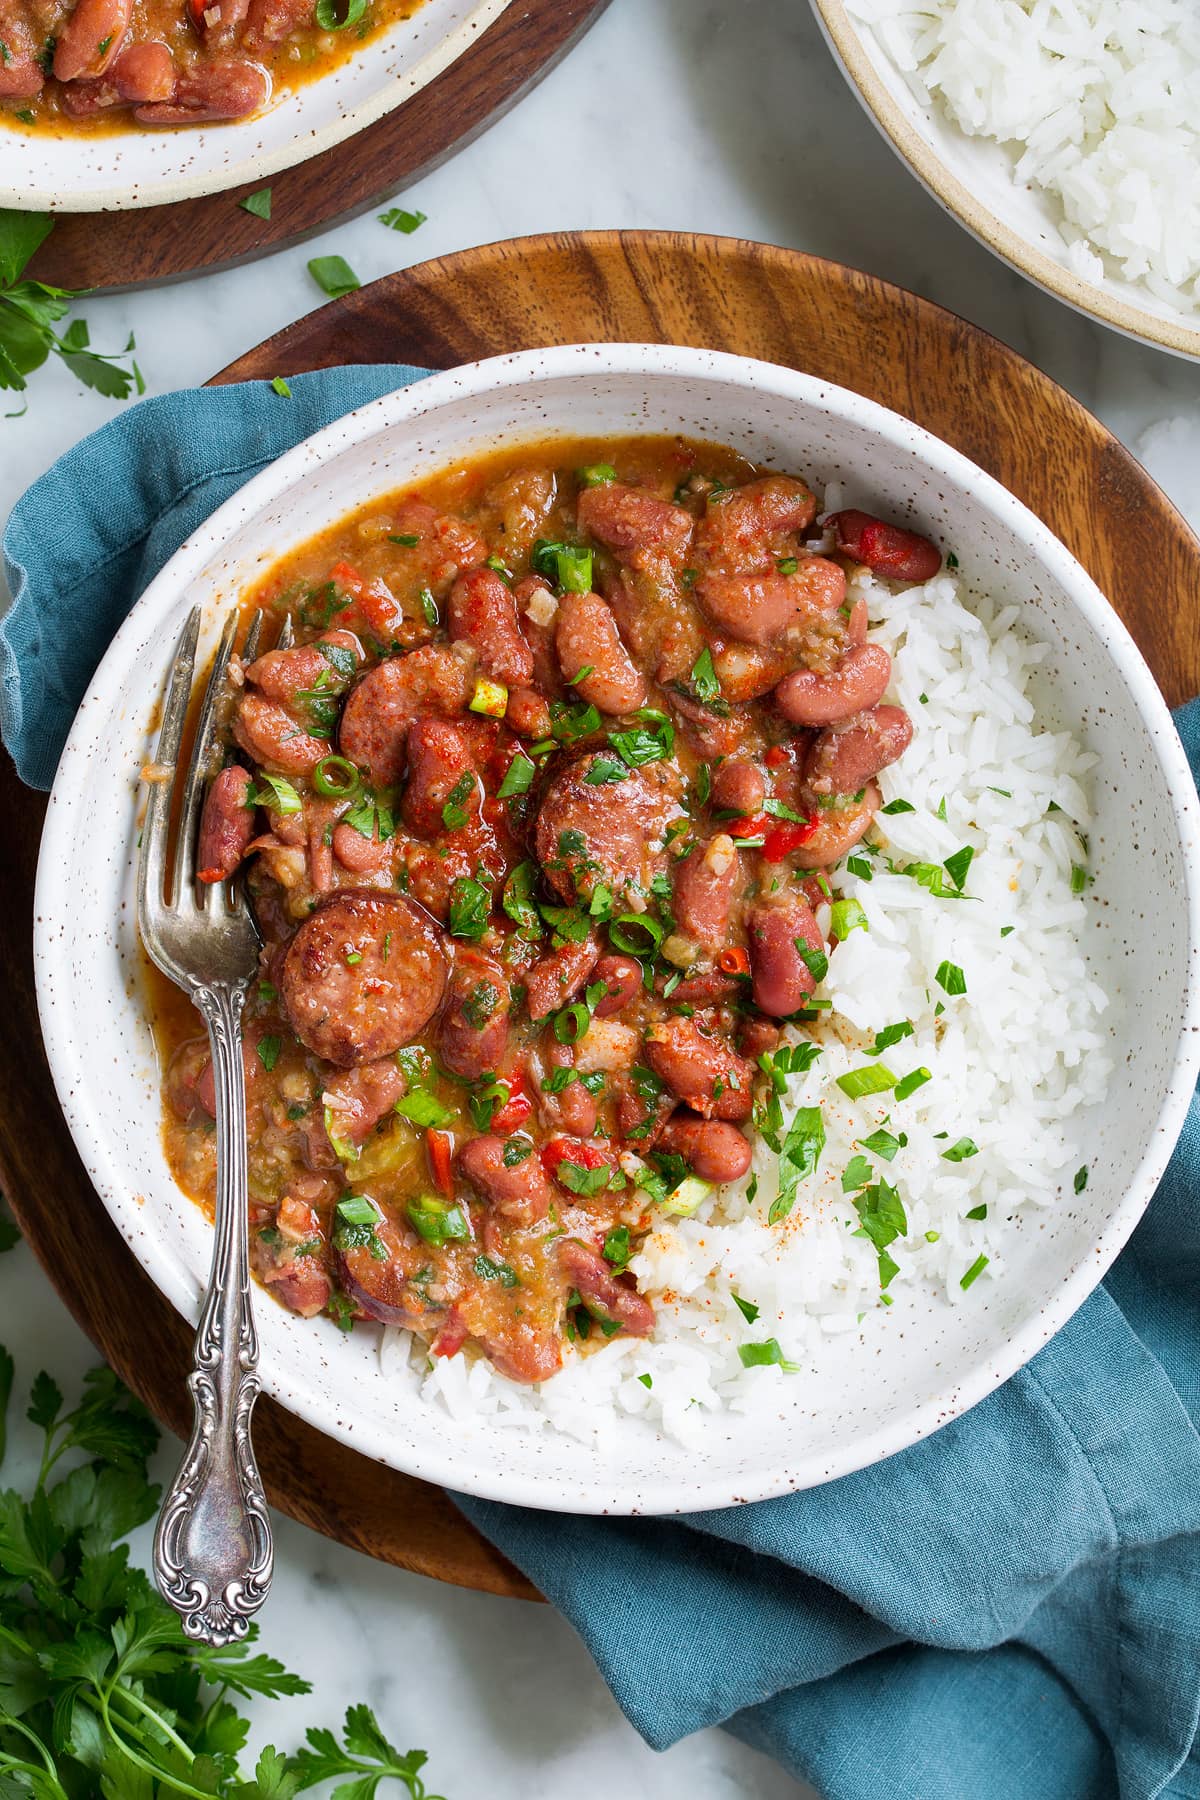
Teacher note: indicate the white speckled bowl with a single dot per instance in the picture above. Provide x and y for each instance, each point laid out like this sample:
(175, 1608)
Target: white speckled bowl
(143, 167)
(912, 1368)
(973, 179)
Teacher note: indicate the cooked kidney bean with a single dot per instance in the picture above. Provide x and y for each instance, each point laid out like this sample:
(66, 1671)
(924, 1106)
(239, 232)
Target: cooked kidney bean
(440, 764)
(712, 1149)
(144, 72)
(21, 76)
(738, 787)
(573, 1109)
(326, 666)
(744, 525)
(592, 657)
(217, 90)
(557, 977)
(838, 830)
(623, 977)
(887, 550)
(358, 1098)
(642, 529)
(748, 671)
(778, 928)
(267, 732)
(385, 1287)
(763, 608)
(706, 884)
(361, 977)
(226, 825)
(527, 713)
(91, 39)
(859, 681)
(381, 706)
(483, 613)
(473, 1031)
(602, 1292)
(521, 1193)
(845, 757)
(704, 1072)
(589, 833)
(271, 21)
(363, 855)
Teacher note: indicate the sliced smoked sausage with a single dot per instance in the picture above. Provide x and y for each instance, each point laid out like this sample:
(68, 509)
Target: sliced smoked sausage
(363, 974)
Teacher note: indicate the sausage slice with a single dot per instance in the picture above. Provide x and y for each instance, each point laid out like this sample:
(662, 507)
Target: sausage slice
(362, 976)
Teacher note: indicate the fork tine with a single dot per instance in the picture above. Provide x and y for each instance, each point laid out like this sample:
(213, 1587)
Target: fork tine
(250, 647)
(287, 634)
(198, 768)
(152, 849)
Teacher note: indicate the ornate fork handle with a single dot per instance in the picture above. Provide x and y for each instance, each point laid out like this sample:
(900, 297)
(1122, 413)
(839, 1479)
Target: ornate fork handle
(213, 1553)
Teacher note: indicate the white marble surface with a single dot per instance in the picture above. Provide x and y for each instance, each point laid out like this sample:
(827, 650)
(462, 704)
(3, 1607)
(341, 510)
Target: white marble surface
(708, 115)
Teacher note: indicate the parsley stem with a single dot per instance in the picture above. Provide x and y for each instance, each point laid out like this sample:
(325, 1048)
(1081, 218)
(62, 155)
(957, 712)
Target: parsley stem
(119, 1691)
(51, 1767)
(174, 1782)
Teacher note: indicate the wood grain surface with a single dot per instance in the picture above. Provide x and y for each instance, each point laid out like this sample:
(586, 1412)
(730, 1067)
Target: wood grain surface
(139, 248)
(749, 298)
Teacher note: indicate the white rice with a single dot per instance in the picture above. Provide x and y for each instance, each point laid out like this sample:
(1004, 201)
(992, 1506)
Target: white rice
(1097, 105)
(1012, 1061)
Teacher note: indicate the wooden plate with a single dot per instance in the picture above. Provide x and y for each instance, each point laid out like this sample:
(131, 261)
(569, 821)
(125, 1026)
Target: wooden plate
(118, 250)
(656, 287)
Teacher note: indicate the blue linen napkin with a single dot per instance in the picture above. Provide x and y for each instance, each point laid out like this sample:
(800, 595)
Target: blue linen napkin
(1010, 1610)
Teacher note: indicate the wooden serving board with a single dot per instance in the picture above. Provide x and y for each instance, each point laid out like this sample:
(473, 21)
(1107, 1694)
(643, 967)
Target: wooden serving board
(147, 245)
(658, 287)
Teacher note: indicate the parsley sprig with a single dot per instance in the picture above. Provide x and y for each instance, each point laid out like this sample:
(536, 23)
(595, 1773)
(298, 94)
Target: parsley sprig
(100, 1692)
(29, 311)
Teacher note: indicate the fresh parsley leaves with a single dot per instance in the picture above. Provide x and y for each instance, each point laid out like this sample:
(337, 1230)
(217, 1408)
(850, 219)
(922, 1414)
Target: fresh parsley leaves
(29, 311)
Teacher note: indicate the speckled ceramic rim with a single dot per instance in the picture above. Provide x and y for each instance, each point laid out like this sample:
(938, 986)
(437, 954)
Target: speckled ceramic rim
(303, 144)
(68, 813)
(845, 40)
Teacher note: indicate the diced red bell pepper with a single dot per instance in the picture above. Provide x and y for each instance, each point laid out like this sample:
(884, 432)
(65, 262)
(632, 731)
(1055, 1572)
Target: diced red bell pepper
(887, 550)
(574, 1150)
(781, 840)
(776, 757)
(515, 1111)
(756, 827)
(453, 1335)
(437, 1149)
(733, 962)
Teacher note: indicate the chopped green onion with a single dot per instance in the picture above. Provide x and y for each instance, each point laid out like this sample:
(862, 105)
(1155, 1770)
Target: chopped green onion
(421, 1109)
(596, 475)
(1079, 878)
(489, 698)
(571, 1023)
(623, 933)
(876, 1079)
(567, 565)
(912, 1082)
(647, 1381)
(846, 916)
(337, 778)
(276, 792)
(787, 565)
(684, 1200)
(437, 1221)
(280, 387)
(975, 1271)
(333, 274)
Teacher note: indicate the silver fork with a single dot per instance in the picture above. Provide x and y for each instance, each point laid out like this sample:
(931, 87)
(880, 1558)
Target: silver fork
(213, 1552)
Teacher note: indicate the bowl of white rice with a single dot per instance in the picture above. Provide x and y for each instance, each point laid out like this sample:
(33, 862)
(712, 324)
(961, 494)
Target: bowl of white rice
(947, 1159)
(1064, 134)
